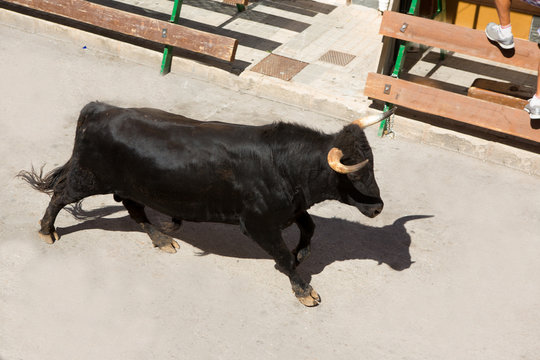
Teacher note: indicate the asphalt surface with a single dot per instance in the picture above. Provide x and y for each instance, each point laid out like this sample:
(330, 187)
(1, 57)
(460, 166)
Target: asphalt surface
(447, 271)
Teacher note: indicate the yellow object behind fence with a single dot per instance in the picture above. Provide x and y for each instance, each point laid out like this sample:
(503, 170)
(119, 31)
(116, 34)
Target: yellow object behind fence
(476, 16)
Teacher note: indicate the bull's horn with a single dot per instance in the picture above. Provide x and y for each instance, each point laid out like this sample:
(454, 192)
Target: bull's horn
(373, 119)
(334, 160)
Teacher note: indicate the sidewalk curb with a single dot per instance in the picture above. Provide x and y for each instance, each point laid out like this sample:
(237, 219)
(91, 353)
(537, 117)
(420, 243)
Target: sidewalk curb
(289, 93)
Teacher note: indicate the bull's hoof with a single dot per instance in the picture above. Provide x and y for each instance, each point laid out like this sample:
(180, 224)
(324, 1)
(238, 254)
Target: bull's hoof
(49, 238)
(313, 299)
(165, 243)
(160, 240)
(169, 248)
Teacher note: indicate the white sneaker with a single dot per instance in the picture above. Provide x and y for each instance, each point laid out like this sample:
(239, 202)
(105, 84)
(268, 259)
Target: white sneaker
(533, 110)
(493, 33)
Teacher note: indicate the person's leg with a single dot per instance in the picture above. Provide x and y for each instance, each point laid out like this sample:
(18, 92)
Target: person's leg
(538, 81)
(533, 107)
(501, 34)
(503, 10)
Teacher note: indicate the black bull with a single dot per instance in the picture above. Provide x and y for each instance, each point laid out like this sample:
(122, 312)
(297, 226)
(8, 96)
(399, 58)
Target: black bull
(263, 178)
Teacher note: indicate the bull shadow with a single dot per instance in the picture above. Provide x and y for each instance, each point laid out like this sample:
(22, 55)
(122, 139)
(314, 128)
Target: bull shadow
(334, 239)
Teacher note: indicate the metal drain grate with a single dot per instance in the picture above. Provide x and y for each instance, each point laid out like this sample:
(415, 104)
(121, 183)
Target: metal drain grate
(337, 58)
(280, 67)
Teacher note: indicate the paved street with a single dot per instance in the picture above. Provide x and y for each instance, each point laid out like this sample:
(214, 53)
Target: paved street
(447, 271)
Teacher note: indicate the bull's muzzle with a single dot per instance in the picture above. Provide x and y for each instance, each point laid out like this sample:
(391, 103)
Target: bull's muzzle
(374, 210)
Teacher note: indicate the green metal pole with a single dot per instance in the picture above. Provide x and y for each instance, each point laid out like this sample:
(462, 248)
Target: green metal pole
(384, 127)
(412, 8)
(167, 52)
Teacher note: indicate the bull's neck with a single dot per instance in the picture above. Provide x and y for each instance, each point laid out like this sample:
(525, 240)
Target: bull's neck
(315, 178)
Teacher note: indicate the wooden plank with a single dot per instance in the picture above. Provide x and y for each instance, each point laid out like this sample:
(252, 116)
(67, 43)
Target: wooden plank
(465, 109)
(234, 2)
(516, 90)
(163, 32)
(499, 92)
(496, 97)
(458, 38)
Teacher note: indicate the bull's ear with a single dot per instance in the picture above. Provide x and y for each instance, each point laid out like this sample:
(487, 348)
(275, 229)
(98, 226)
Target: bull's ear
(334, 161)
(373, 119)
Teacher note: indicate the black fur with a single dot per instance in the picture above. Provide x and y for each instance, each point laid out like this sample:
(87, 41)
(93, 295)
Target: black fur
(263, 178)
(53, 180)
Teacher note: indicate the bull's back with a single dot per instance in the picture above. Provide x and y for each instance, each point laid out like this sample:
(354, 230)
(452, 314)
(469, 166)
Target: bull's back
(172, 163)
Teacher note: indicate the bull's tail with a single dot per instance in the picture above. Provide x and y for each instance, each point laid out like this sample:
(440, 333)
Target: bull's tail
(49, 183)
(55, 180)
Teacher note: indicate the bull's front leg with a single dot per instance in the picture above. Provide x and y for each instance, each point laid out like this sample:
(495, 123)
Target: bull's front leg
(307, 228)
(272, 242)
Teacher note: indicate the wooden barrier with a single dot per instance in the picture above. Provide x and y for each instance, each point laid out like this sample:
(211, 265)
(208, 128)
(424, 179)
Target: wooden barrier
(237, 2)
(501, 93)
(497, 117)
(475, 110)
(158, 31)
(241, 5)
(457, 38)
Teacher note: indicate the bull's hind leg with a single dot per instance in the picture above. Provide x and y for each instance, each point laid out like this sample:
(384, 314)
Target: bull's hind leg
(53, 183)
(172, 226)
(307, 227)
(272, 242)
(47, 231)
(67, 184)
(159, 239)
(59, 199)
(177, 223)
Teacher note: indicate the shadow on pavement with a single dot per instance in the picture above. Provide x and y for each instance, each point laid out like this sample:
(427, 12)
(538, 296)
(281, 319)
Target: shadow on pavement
(334, 239)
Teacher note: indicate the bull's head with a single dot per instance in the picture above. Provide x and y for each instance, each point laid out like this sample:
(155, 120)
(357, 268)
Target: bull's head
(352, 157)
